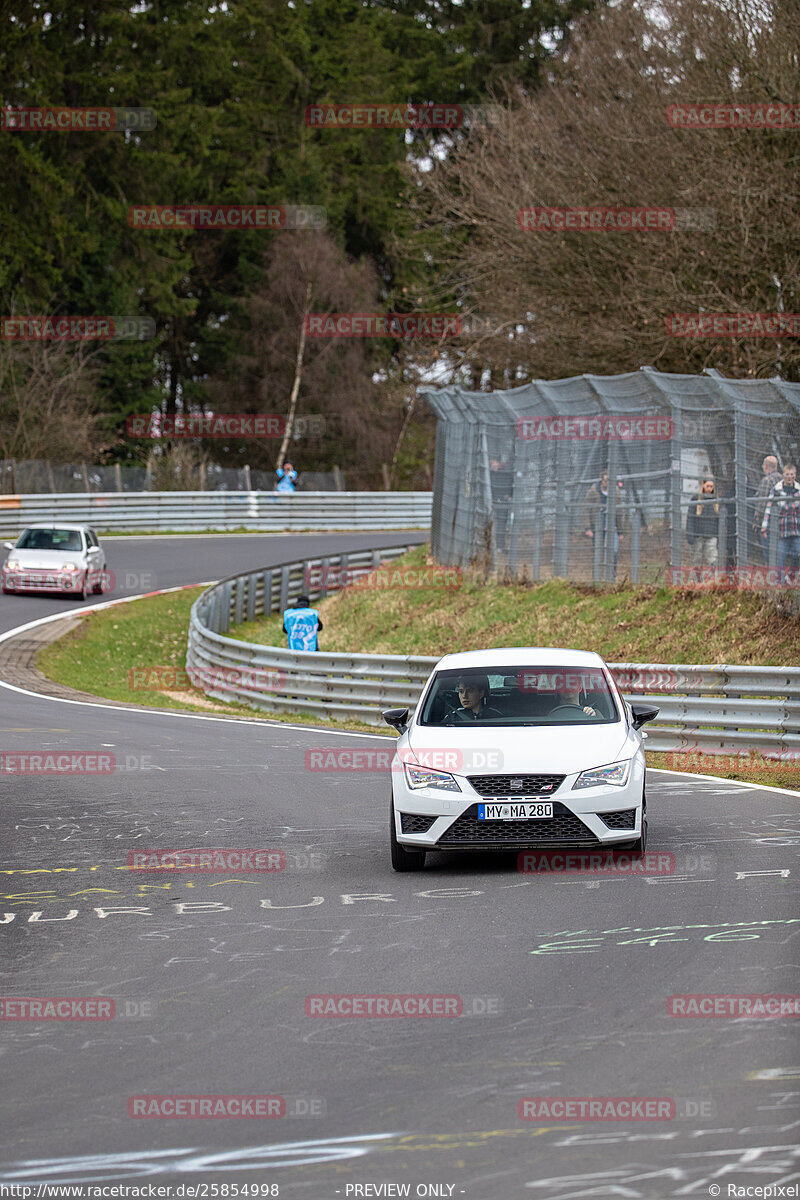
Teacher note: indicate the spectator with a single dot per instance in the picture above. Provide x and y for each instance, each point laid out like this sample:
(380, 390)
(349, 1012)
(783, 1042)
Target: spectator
(502, 481)
(770, 477)
(595, 507)
(786, 497)
(301, 624)
(702, 525)
(286, 478)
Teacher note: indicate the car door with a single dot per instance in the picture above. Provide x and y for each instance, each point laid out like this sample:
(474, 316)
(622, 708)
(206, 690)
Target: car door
(94, 557)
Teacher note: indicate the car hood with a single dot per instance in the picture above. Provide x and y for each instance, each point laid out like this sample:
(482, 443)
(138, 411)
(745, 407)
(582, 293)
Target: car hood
(551, 749)
(45, 560)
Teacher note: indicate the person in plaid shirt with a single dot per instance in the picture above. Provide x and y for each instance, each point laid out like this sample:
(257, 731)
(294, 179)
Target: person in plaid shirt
(786, 496)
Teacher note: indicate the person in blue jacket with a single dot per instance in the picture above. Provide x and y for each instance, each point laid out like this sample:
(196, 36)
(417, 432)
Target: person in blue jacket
(301, 624)
(286, 477)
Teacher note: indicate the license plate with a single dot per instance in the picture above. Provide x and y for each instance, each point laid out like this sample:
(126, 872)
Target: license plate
(506, 810)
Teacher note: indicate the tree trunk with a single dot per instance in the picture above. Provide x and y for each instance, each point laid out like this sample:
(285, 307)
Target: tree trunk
(298, 370)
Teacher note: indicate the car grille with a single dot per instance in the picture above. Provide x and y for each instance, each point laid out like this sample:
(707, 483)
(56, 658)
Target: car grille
(625, 818)
(501, 785)
(563, 827)
(415, 823)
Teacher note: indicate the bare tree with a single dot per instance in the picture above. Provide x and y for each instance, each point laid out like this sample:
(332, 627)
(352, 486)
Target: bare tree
(48, 402)
(598, 135)
(280, 370)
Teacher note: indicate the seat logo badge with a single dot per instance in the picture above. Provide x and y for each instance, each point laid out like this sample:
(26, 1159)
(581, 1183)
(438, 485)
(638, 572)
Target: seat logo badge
(515, 783)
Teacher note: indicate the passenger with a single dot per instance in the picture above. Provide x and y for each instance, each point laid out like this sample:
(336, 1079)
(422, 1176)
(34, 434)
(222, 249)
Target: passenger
(473, 695)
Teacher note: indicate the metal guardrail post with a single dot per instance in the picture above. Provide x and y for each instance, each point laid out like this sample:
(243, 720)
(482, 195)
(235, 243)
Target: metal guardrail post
(238, 599)
(283, 602)
(225, 607)
(251, 597)
(267, 599)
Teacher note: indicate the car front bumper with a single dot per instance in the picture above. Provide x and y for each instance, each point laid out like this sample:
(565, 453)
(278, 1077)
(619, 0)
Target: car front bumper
(432, 819)
(36, 580)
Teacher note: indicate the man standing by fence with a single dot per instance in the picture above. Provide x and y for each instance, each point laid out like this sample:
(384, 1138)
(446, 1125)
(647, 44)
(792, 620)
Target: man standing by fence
(771, 476)
(595, 507)
(786, 497)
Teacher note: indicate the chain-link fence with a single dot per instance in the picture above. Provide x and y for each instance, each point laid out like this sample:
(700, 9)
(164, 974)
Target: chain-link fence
(602, 478)
(36, 477)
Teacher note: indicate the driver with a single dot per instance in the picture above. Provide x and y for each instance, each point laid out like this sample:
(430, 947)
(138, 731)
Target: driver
(570, 694)
(473, 693)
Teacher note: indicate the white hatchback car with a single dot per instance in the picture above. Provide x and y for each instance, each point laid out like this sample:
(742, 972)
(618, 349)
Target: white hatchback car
(516, 749)
(55, 558)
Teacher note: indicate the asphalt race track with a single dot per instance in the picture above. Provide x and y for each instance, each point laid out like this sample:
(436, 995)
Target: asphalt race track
(562, 981)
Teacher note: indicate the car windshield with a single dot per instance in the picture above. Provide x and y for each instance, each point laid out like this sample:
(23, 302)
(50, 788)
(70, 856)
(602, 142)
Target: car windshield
(50, 539)
(520, 695)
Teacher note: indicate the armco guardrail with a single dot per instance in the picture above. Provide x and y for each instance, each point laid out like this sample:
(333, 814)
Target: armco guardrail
(267, 512)
(709, 707)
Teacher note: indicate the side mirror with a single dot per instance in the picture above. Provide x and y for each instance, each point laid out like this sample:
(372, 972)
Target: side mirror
(8, 545)
(397, 718)
(643, 713)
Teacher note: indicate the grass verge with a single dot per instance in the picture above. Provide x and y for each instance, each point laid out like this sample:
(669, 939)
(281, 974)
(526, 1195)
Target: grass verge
(98, 656)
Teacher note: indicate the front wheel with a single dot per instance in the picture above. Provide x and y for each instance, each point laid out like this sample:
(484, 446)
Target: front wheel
(402, 858)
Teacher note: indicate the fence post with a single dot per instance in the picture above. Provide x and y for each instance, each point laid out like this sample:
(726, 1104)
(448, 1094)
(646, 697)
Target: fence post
(562, 515)
(251, 597)
(636, 523)
(722, 538)
(284, 594)
(267, 596)
(774, 530)
(118, 476)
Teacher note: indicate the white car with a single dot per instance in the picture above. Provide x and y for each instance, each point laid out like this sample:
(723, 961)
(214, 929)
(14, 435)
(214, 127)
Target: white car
(516, 749)
(55, 558)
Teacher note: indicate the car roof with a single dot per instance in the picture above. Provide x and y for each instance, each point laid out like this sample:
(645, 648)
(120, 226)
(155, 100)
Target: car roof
(529, 656)
(56, 525)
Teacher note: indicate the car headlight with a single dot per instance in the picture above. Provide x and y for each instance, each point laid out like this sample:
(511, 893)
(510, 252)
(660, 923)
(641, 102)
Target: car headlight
(12, 564)
(420, 777)
(69, 567)
(615, 773)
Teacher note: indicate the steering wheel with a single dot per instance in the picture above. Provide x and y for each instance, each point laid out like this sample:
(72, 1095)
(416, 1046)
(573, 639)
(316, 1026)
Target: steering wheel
(560, 707)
